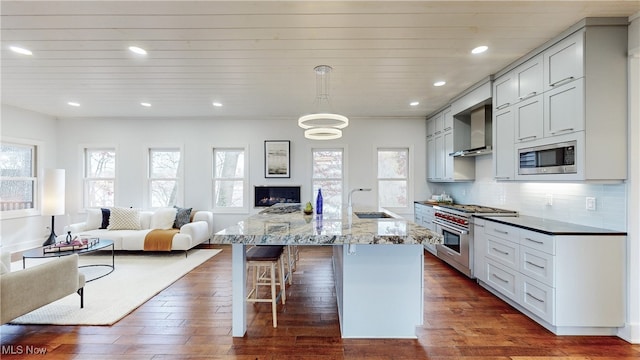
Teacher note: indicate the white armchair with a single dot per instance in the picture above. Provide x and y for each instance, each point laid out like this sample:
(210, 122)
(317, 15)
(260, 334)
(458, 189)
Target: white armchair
(26, 290)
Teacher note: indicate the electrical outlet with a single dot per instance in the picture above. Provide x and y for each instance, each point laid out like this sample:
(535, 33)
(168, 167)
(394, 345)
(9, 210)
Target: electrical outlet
(548, 199)
(591, 203)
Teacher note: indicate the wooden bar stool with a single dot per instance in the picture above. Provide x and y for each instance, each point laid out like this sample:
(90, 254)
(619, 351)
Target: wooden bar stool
(292, 260)
(266, 261)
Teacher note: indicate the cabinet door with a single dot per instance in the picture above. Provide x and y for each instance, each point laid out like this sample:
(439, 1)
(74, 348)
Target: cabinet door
(529, 78)
(438, 123)
(503, 148)
(479, 249)
(431, 158)
(447, 119)
(564, 109)
(431, 127)
(528, 119)
(439, 158)
(564, 61)
(504, 91)
(448, 160)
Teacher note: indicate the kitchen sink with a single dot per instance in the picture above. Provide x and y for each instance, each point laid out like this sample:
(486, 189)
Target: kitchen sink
(372, 215)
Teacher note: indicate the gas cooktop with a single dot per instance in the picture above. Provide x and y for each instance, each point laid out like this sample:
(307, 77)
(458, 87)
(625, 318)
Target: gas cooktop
(476, 209)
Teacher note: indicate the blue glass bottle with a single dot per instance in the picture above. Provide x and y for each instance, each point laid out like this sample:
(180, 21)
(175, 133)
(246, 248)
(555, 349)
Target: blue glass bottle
(319, 202)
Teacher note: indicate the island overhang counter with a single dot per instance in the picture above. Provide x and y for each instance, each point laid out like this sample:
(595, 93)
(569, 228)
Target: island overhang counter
(378, 265)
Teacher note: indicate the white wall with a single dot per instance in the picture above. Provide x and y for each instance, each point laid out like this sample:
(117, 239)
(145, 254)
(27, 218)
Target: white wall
(27, 232)
(132, 137)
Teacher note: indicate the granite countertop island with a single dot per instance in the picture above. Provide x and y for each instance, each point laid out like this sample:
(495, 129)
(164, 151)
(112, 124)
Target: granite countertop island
(286, 224)
(378, 265)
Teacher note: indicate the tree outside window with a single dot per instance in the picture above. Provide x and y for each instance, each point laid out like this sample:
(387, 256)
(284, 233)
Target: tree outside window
(327, 174)
(99, 177)
(229, 180)
(393, 178)
(17, 176)
(165, 177)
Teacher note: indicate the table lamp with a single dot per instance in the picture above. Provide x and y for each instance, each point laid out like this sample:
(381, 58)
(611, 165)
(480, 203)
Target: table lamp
(52, 198)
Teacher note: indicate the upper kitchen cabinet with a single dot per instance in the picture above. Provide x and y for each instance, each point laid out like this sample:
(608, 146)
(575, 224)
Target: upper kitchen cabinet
(572, 89)
(448, 135)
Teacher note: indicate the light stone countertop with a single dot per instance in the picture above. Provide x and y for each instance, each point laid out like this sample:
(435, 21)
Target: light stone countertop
(286, 224)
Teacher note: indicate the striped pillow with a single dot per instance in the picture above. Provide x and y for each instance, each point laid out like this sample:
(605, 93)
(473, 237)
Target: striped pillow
(124, 219)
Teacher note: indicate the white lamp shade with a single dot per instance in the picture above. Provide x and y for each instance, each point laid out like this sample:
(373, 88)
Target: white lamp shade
(53, 192)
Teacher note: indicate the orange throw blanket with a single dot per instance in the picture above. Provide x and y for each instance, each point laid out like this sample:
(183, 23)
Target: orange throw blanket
(159, 240)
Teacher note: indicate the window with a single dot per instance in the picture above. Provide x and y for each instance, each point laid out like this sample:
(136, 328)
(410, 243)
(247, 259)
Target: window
(230, 180)
(393, 178)
(327, 174)
(99, 177)
(18, 181)
(165, 177)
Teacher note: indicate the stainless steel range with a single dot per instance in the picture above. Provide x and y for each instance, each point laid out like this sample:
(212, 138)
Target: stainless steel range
(455, 224)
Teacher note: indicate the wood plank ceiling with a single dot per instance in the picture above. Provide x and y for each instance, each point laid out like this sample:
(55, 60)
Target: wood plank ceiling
(257, 58)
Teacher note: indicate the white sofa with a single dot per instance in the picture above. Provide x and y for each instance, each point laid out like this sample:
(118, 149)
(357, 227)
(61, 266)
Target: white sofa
(129, 238)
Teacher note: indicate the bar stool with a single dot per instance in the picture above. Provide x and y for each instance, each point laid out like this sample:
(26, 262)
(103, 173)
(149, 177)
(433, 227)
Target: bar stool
(266, 260)
(292, 260)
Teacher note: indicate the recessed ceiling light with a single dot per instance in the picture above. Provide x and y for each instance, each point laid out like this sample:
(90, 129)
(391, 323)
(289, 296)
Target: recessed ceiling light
(414, 103)
(20, 50)
(479, 49)
(73, 103)
(217, 104)
(145, 104)
(439, 83)
(137, 50)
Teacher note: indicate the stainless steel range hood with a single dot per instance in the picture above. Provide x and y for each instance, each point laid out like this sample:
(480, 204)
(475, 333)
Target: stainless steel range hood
(481, 138)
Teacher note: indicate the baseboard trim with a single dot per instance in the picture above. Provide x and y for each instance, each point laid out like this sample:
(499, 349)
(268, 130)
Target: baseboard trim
(630, 333)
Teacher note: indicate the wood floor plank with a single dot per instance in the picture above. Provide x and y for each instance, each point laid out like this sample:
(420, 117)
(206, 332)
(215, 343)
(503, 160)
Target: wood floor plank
(191, 319)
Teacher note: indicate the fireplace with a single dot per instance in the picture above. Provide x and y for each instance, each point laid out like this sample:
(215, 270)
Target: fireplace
(265, 196)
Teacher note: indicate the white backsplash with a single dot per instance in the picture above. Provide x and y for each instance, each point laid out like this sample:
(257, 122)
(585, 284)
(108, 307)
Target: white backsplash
(530, 198)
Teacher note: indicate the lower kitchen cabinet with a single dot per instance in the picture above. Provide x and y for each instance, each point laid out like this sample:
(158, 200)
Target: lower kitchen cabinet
(570, 284)
(424, 216)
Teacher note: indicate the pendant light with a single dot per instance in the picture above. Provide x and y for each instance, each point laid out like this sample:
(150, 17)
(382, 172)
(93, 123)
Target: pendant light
(323, 125)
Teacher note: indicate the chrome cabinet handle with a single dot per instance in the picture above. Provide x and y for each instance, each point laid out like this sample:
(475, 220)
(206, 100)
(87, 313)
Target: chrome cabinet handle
(531, 94)
(561, 131)
(500, 251)
(527, 137)
(478, 225)
(535, 298)
(534, 241)
(501, 231)
(501, 279)
(536, 265)
(503, 106)
(502, 177)
(560, 82)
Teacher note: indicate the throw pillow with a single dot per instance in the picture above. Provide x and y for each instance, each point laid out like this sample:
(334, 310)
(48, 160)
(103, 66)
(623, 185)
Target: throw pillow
(124, 219)
(106, 213)
(163, 218)
(183, 216)
(94, 219)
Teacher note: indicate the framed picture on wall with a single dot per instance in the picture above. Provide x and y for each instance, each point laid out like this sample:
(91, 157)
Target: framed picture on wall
(277, 161)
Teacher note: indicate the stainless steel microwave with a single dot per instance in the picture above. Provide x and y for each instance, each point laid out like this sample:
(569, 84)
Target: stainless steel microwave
(557, 158)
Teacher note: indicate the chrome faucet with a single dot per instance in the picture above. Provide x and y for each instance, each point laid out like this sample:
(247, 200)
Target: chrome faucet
(350, 207)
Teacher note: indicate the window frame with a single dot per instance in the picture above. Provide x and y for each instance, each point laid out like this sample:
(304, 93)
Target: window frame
(342, 179)
(409, 178)
(85, 180)
(244, 209)
(179, 201)
(35, 177)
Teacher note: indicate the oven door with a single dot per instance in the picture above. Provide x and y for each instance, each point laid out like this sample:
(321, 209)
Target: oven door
(455, 247)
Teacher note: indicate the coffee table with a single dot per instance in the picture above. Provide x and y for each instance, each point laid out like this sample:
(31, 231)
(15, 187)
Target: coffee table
(38, 253)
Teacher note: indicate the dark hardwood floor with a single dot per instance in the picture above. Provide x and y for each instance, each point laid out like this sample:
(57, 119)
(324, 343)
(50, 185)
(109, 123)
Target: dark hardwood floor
(191, 319)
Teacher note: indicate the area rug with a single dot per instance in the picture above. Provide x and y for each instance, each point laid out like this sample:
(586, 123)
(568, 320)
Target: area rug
(137, 278)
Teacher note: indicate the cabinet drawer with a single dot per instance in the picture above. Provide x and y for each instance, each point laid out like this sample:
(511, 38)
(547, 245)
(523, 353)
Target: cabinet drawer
(538, 241)
(502, 231)
(537, 265)
(504, 252)
(503, 279)
(538, 298)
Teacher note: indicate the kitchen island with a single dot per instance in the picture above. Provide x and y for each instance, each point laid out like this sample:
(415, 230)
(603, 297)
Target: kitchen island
(378, 265)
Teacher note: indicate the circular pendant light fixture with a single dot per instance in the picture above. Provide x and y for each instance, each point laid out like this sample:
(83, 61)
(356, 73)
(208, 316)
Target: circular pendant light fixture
(323, 125)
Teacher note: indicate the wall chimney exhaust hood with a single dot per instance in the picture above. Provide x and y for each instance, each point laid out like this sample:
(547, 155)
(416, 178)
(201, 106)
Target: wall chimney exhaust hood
(481, 133)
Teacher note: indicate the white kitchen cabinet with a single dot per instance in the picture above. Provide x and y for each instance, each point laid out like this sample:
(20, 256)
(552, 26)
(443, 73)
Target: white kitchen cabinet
(479, 249)
(424, 216)
(438, 121)
(503, 144)
(528, 119)
(564, 109)
(431, 158)
(505, 91)
(567, 283)
(447, 119)
(449, 136)
(529, 78)
(564, 61)
(431, 127)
